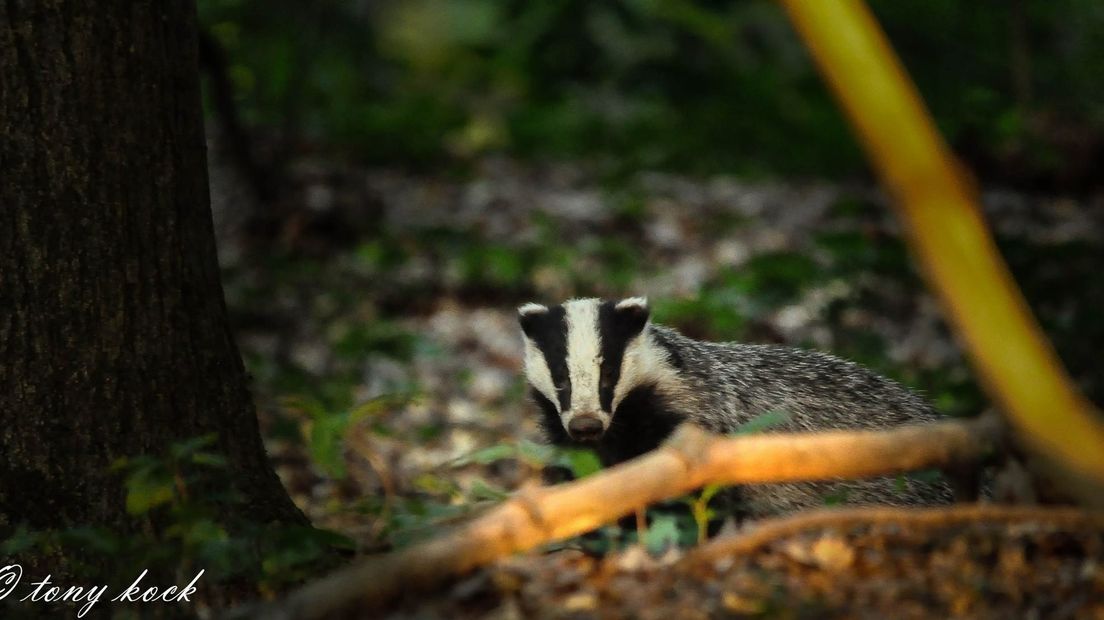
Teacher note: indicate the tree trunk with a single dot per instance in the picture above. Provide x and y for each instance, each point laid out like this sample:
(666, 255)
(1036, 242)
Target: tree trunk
(114, 338)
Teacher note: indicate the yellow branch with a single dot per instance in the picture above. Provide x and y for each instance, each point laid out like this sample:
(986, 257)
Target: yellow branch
(948, 234)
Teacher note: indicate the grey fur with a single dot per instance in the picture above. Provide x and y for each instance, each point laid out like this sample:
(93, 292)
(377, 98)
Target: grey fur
(722, 386)
(732, 384)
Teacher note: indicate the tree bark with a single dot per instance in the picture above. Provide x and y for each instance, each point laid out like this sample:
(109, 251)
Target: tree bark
(114, 338)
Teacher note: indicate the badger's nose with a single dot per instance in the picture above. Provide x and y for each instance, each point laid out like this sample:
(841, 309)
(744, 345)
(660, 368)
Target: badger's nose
(585, 427)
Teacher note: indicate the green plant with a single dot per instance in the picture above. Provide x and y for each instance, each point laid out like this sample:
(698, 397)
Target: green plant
(187, 517)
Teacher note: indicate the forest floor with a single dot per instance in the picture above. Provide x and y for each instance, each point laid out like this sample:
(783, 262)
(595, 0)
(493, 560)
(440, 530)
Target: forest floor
(878, 566)
(375, 310)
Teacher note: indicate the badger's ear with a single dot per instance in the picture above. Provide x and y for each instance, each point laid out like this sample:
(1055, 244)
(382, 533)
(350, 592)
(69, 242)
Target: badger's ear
(529, 316)
(632, 314)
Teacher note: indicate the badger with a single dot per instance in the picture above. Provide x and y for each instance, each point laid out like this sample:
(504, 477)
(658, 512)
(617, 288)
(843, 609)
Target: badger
(605, 377)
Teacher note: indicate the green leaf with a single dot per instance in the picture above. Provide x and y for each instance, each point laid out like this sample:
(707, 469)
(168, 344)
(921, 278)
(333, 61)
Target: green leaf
(140, 465)
(762, 422)
(662, 534)
(144, 493)
(20, 540)
(483, 490)
(899, 484)
(927, 476)
(202, 531)
(536, 454)
(434, 484)
(327, 443)
(333, 539)
(582, 463)
(181, 449)
(209, 459)
(487, 456)
(378, 405)
(97, 539)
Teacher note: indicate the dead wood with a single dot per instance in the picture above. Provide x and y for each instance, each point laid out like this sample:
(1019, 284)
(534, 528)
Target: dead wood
(769, 531)
(691, 459)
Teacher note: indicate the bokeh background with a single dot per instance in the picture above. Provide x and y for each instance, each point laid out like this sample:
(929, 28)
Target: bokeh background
(390, 179)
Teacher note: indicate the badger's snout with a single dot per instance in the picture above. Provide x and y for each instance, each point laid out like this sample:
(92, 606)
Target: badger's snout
(585, 427)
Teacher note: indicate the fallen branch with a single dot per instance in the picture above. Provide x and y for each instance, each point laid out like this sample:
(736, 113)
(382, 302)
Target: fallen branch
(691, 459)
(772, 530)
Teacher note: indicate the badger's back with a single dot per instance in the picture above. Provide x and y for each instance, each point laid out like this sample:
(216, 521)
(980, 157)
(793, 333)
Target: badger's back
(815, 390)
(735, 383)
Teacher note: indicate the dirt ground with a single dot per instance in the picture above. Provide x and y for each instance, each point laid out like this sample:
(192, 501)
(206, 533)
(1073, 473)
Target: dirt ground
(880, 563)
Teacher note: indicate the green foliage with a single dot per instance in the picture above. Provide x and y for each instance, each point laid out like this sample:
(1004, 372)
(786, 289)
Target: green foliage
(291, 554)
(440, 501)
(188, 516)
(702, 86)
(327, 430)
(582, 463)
(773, 279)
(700, 510)
(20, 540)
(662, 532)
(381, 336)
(716, 312)
(852, 252)
(489, 455)
(762, 422)
(735, 296)
(416, 519)
(200, 520)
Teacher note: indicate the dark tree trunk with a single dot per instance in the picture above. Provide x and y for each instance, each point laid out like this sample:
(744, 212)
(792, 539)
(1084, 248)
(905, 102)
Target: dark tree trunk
(114, 338)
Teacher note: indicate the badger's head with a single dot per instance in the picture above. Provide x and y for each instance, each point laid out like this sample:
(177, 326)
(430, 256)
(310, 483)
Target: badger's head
(583, 357)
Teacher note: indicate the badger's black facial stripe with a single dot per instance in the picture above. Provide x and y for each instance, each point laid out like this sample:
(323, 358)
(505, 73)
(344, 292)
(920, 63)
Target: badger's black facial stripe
(644, 420)
(550, 420)
(548, 330)
(617, 327)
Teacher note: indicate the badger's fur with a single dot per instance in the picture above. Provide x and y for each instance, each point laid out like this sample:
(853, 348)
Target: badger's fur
(605, 377)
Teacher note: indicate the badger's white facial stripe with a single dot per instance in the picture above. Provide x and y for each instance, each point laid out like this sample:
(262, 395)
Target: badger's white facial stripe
(633, 302)
(644, 363)
(538, 373)
(584, 352)
(531, 308)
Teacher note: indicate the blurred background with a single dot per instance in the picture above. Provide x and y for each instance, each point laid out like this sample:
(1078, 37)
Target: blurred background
(390, 179)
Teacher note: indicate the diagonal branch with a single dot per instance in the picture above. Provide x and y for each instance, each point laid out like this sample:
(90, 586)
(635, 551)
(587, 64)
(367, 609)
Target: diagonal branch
(932, 194)
(690, 459)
